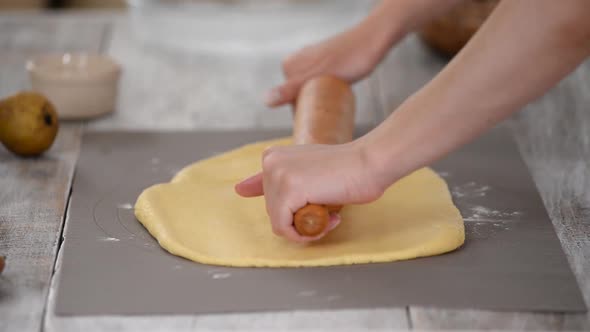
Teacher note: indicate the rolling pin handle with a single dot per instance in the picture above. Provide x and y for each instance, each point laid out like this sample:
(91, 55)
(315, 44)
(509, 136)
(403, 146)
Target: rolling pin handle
(311, 220)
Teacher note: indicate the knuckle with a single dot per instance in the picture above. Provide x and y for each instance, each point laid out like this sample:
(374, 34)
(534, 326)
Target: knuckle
(268, 151)
(289, 62)
(278, 175)
(269, 158)
(289, 181)
(285, 65)
(273, 224)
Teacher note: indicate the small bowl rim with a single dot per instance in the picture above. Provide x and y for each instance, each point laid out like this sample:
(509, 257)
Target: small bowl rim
(112, 72)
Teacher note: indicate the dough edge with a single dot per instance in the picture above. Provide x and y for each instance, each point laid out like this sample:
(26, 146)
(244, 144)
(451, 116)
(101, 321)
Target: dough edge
(441, 246)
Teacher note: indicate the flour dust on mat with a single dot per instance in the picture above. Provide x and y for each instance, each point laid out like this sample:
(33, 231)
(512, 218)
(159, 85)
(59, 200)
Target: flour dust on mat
(199, 216)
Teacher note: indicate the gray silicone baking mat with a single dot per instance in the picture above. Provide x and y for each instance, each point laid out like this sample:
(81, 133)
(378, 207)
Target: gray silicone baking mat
(512, 258)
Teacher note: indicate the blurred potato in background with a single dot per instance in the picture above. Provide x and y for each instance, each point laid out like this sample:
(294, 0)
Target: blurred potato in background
(94, 3)
(72, 4)
(22, 4)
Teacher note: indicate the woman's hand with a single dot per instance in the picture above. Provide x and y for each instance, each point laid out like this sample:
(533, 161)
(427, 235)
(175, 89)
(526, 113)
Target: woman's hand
(350, 56)
(293, 176)
(353, 54)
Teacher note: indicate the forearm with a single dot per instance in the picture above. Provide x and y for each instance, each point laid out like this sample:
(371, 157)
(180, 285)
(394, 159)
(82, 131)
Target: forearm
(525, 48)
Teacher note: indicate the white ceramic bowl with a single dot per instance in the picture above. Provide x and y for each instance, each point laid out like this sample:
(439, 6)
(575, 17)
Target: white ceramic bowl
(79, 85)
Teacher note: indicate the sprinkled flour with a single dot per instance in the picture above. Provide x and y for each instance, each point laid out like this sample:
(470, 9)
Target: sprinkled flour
(470, 189)
(480, 214)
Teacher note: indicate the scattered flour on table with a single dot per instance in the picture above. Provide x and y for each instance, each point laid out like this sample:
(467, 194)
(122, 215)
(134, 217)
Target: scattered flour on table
(331, 298)
(173, 170)
(314, 293)
(470, 189)
(108, 239)
(307, 293)
(479, 214)
(125, 206)
(482, 213)
(149, 245)
(218, 275)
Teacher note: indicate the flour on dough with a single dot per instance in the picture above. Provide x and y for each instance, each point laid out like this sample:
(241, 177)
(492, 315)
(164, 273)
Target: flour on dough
(199, 216)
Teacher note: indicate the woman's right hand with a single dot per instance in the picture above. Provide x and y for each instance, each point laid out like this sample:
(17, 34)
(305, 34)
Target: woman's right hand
(349, 56)
(354, 54)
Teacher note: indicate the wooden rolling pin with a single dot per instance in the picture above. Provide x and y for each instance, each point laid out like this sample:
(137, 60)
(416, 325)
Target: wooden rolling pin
(324, 114)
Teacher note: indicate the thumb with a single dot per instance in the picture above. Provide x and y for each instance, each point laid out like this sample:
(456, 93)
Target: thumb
(250, 187)
(284, 93)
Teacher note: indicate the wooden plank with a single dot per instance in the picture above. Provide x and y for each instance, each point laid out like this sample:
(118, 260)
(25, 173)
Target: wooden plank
(34, 195)
(34, 191)
(346, 320)
(553, 135)
(435, 319)
(168, 90)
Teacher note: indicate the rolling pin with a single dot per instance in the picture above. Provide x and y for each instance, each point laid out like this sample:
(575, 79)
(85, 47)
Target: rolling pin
(324, 114)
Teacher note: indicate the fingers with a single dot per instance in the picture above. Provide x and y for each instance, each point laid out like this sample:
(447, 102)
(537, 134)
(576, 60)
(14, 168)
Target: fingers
(334, 221)
(279, 212)
(281, 216)
(283, 186)
(285, 93)
(282, 196)
(250, 187)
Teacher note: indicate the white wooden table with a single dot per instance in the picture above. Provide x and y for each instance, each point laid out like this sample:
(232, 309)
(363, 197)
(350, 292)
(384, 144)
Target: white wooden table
(164, 90)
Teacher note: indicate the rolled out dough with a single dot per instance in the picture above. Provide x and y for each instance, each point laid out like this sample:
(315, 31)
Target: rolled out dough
(199, 216)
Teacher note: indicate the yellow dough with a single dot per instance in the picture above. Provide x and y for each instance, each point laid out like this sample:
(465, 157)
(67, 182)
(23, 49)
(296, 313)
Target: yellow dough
(199, 216)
